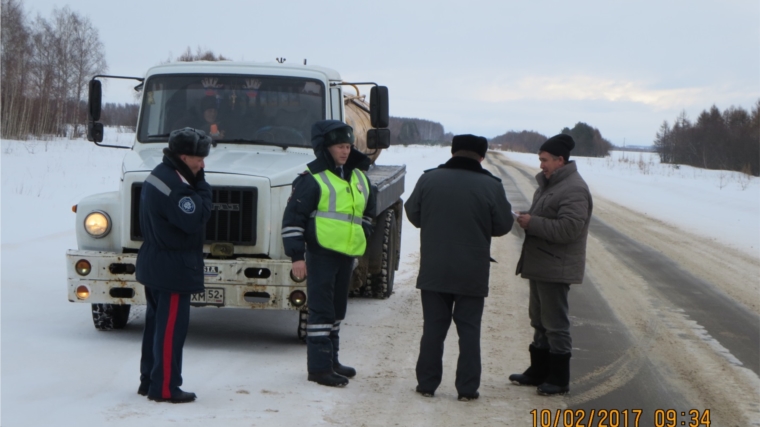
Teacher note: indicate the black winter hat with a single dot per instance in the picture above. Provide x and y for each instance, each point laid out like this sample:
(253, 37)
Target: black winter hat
(189, 141)
(343, 134)
(559, 145)
(468, 142)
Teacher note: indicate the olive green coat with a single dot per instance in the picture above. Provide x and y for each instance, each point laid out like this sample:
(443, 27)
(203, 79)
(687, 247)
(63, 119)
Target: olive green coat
(554, 249)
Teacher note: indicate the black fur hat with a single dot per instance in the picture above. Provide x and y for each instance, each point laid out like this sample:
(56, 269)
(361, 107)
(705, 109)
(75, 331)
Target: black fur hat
(189, 141)
(559, 145)
(473, 143)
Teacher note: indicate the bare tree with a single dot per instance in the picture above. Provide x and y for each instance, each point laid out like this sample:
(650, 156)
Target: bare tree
(87, 59)
(200, 55)
(45, 68)
(15, 52)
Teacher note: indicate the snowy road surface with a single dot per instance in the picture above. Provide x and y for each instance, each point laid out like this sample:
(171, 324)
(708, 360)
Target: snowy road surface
(640, 339)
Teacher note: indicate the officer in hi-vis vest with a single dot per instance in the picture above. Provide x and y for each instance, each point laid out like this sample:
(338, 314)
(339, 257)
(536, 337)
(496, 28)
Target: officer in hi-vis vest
(324, 227)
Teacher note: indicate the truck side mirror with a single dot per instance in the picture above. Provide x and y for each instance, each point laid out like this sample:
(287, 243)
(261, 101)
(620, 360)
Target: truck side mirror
(378, 106)
(95, 131)
(378, 139)
(94, 100)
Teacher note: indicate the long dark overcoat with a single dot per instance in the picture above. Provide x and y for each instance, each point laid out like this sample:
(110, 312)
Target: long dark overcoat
(458, 207)
(174, 209)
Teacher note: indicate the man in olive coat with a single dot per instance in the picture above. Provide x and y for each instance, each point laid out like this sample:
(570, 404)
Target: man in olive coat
(553, 257)
(458, 207)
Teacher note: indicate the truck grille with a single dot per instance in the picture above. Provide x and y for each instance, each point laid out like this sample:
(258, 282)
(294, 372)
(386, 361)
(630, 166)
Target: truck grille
(233, 218)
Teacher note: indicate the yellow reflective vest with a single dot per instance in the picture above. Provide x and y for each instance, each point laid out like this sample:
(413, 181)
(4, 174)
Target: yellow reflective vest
(338, 218)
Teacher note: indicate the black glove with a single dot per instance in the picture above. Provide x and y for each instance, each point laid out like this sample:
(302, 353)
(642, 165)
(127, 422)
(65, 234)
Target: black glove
(368, 230)
(200, 176)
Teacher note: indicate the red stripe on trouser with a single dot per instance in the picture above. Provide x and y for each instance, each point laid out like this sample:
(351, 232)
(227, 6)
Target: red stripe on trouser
(168, 339)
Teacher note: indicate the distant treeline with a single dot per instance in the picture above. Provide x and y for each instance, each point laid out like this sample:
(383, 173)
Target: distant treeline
(119, 115)
(405, 131)
(729, 140)
(46, 65)
(588, 141)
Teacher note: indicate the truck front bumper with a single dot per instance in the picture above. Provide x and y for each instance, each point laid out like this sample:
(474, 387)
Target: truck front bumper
(240, 283)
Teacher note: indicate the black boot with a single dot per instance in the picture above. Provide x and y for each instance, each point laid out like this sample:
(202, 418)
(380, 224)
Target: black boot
(558, 380)
(330, 379)
(339, 369)
(468, 397)
(538, 370)
(143, 389)
(181, 397)
(344, 370)
(425, 393)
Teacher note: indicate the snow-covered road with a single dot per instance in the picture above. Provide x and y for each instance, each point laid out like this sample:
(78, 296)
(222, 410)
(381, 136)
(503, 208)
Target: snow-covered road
(248, 368)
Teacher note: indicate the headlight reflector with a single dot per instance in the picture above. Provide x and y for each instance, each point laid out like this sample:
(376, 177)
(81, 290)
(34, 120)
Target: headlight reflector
(97, 224)
(297, 298)
(83, 292)
(83, 267)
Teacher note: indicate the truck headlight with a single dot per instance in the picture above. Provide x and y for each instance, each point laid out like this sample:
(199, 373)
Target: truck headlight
(83, 292)
(97, 224)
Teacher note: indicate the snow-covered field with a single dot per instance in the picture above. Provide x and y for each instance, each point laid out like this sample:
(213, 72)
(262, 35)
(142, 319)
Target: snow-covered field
(58, 371)
(721, 205)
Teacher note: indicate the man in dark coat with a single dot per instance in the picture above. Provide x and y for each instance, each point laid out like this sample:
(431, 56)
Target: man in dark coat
(553, 257)
(458, 207)
(175, 204)
(325, 226)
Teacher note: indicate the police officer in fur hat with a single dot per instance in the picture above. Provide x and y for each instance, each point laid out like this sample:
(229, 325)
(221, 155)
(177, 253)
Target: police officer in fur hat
(175, 204)
(553, 257)
(458, 208)
(325, 226)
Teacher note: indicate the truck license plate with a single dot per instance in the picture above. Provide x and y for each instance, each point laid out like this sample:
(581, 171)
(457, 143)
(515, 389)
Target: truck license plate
(211, 296)
(210, 270)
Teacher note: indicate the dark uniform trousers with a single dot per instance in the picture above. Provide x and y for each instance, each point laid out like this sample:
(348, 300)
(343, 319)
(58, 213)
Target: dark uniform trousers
(166, 320)
(437, 309)
(327, 296)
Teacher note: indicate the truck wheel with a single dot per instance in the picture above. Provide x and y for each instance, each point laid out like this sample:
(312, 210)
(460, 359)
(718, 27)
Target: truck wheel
(382, 283)
(303, 318)
(110, 316)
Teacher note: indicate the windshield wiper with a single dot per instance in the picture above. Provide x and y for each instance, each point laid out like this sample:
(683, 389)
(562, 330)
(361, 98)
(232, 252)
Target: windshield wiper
(161, 136)
(255, 141)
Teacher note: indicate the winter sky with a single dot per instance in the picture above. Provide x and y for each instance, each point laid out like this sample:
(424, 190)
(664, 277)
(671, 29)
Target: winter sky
(482, 67)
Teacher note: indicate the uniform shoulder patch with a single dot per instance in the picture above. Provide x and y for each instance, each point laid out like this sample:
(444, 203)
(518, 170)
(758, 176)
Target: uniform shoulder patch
(187, 205)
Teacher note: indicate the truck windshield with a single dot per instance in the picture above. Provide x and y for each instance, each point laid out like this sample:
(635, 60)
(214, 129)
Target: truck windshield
(232, 108)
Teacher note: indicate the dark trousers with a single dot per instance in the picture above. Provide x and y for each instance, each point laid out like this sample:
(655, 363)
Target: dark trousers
(166, 320)
(437, 310)
(329, 276)
(549, 316)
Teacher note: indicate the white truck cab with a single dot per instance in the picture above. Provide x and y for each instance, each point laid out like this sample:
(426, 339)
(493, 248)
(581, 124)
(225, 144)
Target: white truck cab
(261, 129)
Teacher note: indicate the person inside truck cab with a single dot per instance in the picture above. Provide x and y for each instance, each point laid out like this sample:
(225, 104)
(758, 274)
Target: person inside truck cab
(210, 112)
(205, 118)
(325, 226)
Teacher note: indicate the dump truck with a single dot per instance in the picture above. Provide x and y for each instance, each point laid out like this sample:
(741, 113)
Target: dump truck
(262, 141)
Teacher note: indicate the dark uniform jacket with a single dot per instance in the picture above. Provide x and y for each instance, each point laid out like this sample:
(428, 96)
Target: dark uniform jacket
(554, 249)
(298, 228)
(174, 209)
(459, 206)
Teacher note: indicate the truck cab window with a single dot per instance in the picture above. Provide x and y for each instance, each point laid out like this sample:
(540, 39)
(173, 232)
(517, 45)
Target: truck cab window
(234, 109)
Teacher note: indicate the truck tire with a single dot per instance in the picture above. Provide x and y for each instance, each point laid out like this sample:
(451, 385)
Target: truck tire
(303, 319)
(110, 316)
(382, 283)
